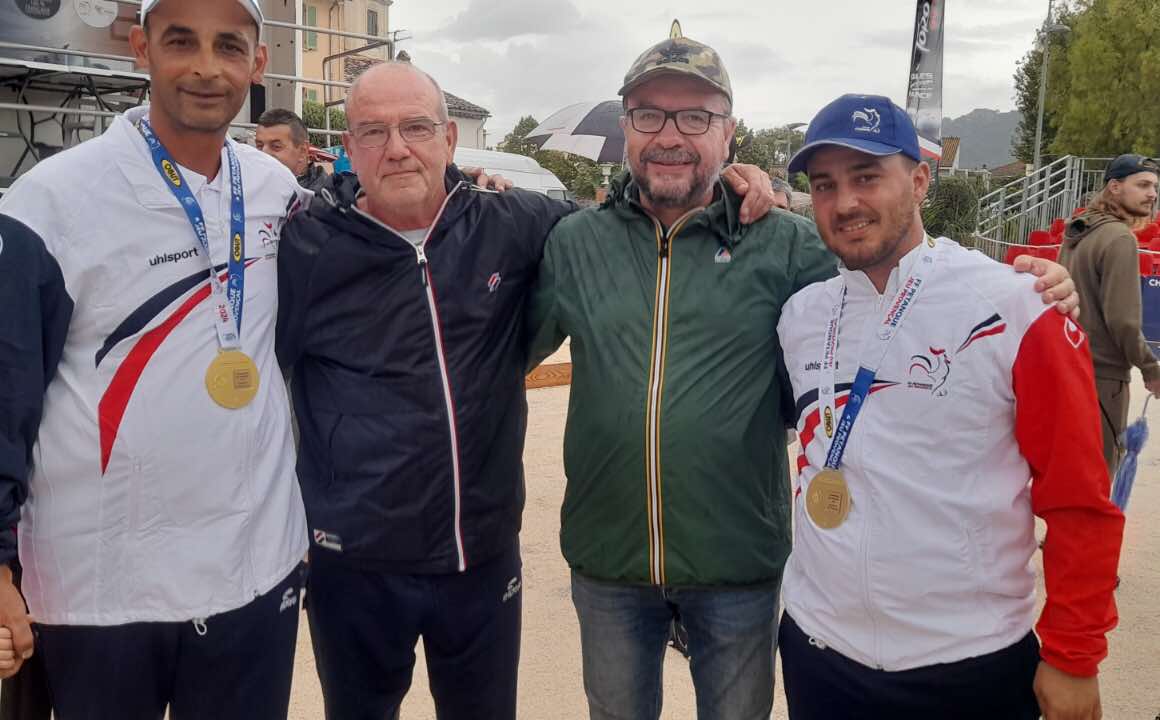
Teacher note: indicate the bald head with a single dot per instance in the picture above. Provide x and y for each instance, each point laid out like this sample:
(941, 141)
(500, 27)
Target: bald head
(396, 75)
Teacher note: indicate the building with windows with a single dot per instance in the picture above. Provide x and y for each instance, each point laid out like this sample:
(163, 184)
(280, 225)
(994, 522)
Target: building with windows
(324, 54)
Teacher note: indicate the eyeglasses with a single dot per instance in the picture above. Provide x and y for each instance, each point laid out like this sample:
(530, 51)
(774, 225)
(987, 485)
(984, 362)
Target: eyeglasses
(376, 135)
(688, 122)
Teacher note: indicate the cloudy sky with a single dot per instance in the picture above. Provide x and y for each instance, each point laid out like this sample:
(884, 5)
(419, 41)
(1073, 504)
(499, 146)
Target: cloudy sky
(786, 59)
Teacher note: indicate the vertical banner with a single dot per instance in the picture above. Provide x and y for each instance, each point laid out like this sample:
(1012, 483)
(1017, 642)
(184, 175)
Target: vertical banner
(924, 93)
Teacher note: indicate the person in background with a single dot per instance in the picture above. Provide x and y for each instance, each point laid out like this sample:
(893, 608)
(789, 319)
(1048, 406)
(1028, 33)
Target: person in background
(782, 194)
(1102, 255)
(282, 135)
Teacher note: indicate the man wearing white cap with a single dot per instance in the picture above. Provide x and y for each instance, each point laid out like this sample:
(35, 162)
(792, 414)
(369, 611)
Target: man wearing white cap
(145, 441)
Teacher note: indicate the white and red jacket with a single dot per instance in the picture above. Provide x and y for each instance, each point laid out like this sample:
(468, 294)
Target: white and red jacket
(146, 501)
(982, 416)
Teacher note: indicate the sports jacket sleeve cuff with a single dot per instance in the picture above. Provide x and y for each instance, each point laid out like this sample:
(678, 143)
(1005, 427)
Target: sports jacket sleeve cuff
(1070, 664)
(1151, 372)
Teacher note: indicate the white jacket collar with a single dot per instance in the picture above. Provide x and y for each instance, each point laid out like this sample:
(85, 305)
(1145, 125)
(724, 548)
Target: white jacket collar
(858, 283)
(137, 163)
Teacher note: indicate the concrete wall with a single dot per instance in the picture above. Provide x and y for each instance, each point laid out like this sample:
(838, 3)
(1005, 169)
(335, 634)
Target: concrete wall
(471, 133)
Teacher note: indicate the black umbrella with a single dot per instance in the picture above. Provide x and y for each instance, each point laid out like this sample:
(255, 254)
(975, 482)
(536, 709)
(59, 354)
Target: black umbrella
(589, 129)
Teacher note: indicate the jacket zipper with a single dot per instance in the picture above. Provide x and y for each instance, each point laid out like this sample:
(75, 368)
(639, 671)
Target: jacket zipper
(444, 376)
(656, 525)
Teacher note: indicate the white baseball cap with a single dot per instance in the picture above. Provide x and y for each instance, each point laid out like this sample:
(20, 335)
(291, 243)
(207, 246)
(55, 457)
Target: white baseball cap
(252, 6)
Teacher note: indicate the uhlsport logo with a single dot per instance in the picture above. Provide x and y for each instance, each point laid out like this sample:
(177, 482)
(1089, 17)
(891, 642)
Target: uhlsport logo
(493, 282)
(173, 257)
(930, 372)
(723, 256)
(867, 120)
(171, 173)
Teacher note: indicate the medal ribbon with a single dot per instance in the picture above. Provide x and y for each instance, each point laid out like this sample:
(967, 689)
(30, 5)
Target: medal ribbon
(228, 298)
(904, 301)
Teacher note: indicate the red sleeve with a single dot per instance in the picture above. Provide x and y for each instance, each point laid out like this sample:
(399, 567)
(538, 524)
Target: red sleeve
(1057, 427)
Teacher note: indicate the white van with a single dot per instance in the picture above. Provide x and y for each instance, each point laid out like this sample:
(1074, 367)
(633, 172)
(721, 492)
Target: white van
(523, 171)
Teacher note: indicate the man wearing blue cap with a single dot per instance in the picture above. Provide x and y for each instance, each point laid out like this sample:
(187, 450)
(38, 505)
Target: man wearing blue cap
(940, 407)
(145, 442)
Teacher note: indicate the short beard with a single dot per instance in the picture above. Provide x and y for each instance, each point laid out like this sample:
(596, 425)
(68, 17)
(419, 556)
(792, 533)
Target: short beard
(887, 251)
(668, 197)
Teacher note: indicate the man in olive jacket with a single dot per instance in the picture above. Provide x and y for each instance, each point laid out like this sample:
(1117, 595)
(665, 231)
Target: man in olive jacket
(1100, 252)
(677, 501)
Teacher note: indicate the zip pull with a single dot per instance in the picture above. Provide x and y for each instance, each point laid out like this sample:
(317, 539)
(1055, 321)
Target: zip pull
(421, 257)
(664, 245)
(199, 627)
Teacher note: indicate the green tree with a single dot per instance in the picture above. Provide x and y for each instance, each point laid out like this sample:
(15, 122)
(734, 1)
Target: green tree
(1027, 74)
(952, 208)
(314, 117)
(768, 148)
(1112, 86)
(517, 140)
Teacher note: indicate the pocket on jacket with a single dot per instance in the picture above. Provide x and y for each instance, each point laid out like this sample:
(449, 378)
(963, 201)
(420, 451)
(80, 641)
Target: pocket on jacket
(374, 498)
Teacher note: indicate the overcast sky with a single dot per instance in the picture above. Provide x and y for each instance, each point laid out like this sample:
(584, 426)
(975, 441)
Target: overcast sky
(786, 59)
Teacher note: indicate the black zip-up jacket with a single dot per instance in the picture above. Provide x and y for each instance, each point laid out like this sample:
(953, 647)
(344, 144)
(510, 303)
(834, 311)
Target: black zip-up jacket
(407, 373)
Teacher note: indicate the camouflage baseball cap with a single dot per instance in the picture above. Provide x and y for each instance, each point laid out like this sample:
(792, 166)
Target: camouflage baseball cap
(678, 55)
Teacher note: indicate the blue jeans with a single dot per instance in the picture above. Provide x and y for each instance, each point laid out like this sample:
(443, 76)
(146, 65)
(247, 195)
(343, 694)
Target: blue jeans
(624, 630)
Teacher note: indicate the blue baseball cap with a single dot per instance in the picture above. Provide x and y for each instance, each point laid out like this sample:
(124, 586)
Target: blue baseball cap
(867, 123)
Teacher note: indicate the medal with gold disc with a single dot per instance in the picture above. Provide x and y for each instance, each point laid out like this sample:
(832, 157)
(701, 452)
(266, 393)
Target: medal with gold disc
(828, 499)
(232, 379)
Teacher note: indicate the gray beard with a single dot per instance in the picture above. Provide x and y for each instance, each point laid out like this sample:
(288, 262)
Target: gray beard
(700, 184)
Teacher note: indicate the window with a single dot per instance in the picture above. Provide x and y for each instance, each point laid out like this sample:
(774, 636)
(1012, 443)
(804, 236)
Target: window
(372, 22)
(310, 15)
(312, 96)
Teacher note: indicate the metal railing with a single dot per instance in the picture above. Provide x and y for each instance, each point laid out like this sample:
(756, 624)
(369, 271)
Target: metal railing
(1008, 214)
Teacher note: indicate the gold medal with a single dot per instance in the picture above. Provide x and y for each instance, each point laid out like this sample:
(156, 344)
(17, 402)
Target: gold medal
(232, 379)
(828, 499)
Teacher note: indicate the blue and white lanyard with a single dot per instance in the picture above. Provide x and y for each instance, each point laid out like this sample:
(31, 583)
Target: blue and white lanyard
(904, 301)
(227, 298)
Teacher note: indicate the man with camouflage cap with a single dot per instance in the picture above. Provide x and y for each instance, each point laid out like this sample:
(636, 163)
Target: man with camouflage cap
(676, 504)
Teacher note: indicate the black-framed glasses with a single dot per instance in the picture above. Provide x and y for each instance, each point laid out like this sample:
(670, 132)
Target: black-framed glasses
(376, 135)
(693, 121)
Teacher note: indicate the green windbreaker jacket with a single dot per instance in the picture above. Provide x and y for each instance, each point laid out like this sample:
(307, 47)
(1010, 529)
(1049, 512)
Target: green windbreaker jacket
(675, 442)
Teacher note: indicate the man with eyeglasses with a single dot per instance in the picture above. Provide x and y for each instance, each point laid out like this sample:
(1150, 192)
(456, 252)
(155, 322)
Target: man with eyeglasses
(1102, 253)
(677, 502)
(401, 311)
(675, 507)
